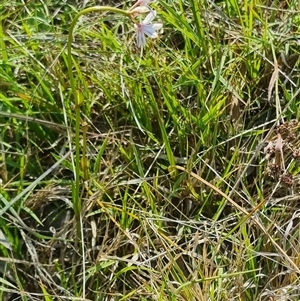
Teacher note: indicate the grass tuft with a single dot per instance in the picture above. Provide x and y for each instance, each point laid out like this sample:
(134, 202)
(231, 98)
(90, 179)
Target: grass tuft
(189, 153)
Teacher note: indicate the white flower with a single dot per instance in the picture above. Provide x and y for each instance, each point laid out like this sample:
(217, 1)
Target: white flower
(147, 28)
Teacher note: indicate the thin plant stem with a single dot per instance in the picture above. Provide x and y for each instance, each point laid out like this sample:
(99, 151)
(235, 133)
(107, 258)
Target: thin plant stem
(76, 201)
(78, 99)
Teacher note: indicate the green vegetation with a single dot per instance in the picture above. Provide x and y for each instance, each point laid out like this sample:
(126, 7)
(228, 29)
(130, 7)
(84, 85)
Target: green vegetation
(187, 175)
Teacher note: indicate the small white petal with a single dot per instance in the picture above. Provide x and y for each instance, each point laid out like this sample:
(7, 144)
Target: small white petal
(140, 39)
(149, 31)
(143, 41)
(153, 35)
(149, 18)
(157, 26)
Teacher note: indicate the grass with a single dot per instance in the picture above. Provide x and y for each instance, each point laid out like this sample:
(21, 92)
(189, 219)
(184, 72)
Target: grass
(188, 184)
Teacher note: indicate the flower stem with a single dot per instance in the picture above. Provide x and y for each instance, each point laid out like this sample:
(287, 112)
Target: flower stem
(78, 100)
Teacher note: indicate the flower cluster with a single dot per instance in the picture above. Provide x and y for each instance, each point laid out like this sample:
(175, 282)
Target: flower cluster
(145, 27)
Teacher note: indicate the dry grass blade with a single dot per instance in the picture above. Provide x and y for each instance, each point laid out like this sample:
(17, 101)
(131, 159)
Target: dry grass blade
(273, 80)
(279, 160)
